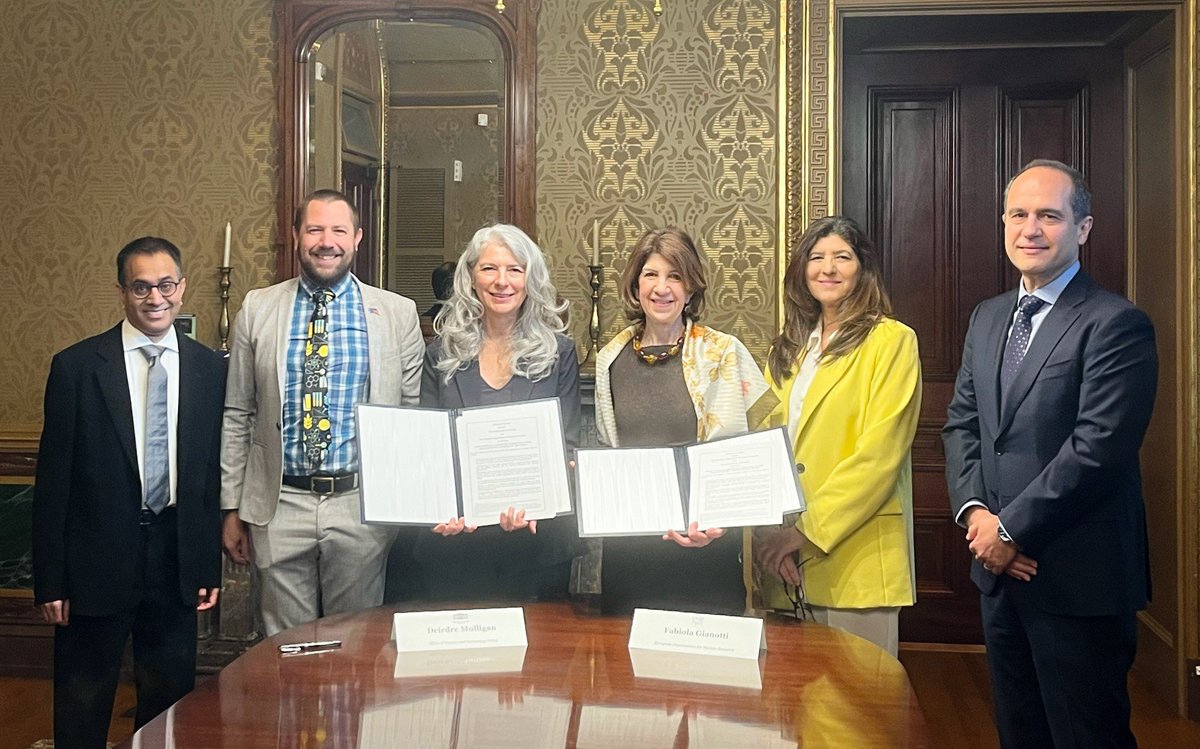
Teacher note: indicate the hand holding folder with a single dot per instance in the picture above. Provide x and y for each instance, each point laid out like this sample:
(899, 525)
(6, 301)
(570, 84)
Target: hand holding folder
(739, 481)
(420, 466)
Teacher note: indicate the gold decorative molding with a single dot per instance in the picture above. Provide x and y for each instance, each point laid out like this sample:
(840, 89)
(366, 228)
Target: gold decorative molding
(807, 104)
(1190, 355)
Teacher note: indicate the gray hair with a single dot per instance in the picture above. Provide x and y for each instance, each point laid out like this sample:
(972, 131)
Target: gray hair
(460, 323)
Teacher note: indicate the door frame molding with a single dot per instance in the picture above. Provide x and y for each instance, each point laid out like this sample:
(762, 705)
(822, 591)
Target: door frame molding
(810, 68)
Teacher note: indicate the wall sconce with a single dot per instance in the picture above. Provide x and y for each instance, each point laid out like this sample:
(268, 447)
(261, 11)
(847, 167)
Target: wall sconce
(499, 6)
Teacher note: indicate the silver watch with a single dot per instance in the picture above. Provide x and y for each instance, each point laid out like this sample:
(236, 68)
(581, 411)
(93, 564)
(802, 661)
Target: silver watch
(1003, 533)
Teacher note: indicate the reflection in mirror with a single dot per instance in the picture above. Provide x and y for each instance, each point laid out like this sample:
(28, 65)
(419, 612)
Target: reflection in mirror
(407, 117)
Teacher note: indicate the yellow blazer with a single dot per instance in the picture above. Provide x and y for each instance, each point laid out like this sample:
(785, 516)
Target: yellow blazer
(855, 438)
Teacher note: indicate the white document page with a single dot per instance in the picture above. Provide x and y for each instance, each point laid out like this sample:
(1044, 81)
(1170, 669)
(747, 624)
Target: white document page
(628, 492)
(512, 456)
(499, 718)
(742, 481)
(406, 466)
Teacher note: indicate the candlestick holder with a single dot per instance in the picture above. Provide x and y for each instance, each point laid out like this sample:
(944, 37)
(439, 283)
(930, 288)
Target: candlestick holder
(594, 320)
(223, 325)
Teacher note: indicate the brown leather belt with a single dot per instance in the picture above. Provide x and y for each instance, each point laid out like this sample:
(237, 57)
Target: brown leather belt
(327, 484)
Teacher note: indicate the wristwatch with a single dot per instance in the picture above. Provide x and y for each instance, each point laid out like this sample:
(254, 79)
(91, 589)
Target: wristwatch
(1003, 533)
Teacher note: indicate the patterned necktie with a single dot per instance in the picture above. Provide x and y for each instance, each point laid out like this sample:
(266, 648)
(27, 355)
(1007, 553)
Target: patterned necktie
(156, 471)
(316, 434)
(1018, 341)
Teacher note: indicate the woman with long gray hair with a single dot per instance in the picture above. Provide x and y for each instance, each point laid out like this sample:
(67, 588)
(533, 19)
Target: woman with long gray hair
(500, 341)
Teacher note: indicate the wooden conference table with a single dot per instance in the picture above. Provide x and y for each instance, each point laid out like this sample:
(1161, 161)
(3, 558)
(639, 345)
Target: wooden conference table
(576, 688)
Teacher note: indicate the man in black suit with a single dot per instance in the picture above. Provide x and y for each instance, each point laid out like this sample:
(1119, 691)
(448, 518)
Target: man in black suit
(126, 518)
(1050, 407)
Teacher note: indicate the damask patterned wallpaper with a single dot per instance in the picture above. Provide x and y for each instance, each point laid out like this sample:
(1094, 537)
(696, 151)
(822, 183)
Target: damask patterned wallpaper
(125, 119)
(645, 121)
(158, 117)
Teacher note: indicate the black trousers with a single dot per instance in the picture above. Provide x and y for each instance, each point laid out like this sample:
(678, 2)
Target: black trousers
(648, 572)
(87, 652)
(1057, 681)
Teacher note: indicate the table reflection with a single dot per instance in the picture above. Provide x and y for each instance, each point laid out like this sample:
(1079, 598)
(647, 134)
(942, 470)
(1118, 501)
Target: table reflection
(576, 686)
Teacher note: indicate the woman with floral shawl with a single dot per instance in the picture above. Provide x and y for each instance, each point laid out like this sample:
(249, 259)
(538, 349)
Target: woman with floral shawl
(666, 380)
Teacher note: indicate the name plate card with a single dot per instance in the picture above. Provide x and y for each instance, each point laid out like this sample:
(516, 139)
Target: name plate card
(697, 634)
(463, 629)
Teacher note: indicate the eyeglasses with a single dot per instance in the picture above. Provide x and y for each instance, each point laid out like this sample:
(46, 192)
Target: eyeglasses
(801, 608)
(141, 289)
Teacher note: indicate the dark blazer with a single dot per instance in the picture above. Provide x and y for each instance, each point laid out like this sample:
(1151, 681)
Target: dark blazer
(88, 495)
(555, 539)
(1058, 461)
(466, 386)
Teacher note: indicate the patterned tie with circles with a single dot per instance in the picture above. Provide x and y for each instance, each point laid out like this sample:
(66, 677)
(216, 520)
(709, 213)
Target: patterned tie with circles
(316, 434)
(156, 470)
(1018, 341)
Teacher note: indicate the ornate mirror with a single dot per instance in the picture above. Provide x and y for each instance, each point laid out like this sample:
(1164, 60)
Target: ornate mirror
(423, 112)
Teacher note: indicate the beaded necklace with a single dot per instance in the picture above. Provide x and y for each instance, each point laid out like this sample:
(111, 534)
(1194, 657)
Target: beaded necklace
(653, 359)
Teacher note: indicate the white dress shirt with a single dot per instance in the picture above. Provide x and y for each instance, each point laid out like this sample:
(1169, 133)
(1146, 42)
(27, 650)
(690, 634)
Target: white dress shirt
(1048, 294)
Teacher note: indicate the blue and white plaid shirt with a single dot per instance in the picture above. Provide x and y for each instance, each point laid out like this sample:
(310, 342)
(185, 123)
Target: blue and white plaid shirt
(348, 378)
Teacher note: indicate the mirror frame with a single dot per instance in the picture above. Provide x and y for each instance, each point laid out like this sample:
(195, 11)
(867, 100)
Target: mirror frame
(302, 22)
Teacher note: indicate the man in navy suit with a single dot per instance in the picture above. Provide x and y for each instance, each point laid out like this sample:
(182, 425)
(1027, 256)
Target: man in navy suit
(126, 518)
(1050, 407)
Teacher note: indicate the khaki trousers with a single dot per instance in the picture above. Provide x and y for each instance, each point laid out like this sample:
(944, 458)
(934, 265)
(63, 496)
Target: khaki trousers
(317, 558)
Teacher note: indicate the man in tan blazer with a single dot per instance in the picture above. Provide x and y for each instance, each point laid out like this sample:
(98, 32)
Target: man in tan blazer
(303, 353)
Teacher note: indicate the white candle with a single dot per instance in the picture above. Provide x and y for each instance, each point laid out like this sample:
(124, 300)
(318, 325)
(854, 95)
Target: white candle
(228, 228)
(595, 242)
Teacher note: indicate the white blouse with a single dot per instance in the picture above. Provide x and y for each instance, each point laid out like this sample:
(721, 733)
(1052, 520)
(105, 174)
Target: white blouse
(804, 377)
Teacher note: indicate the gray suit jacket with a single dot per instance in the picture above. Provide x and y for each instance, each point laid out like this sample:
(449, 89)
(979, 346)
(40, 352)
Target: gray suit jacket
(252, 434)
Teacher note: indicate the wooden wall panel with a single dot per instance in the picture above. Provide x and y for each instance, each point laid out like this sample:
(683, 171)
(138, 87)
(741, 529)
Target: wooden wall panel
(1154, 247)
(1044, 123)
(911, 161)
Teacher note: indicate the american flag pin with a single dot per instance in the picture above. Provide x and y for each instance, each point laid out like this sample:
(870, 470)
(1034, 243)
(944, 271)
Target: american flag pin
(373, 310)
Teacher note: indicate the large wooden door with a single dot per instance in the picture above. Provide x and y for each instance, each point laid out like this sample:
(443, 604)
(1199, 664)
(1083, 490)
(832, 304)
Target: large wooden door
(929, 140)
(359, 184)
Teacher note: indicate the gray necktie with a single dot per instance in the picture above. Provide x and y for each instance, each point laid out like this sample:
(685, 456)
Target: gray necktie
(1018, 341)
(156, 472)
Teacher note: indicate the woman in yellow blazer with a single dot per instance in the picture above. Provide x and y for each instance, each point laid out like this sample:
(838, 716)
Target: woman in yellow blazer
(849, 382)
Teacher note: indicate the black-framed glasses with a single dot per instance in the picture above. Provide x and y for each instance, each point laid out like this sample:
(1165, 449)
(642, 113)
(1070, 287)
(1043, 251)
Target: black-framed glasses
(141, 289)
(801, 608)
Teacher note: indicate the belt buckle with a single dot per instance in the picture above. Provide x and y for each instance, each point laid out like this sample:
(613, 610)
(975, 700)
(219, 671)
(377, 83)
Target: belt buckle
(317, 484)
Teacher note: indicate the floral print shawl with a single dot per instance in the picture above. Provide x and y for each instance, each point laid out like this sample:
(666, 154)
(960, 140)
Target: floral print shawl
(728, 389)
